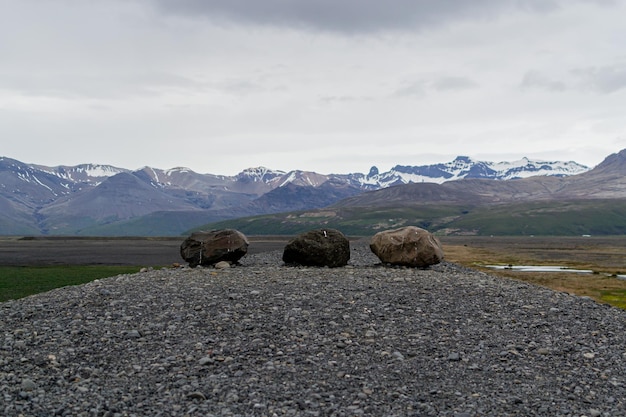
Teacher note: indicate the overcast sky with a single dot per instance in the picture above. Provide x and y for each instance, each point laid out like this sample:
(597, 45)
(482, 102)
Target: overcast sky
(332, 86)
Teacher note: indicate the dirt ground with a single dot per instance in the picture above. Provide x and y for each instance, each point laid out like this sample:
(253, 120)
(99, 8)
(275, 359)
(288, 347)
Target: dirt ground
(46, 251)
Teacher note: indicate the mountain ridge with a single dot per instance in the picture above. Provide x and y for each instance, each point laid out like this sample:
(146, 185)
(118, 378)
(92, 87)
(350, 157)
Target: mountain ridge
(79, 199)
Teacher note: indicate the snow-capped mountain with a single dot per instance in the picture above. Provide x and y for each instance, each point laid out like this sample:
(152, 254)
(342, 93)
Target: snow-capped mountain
(466, 167)
(83, 199)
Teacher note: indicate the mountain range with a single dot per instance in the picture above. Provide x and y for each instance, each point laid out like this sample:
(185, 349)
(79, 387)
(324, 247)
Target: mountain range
(589, 203)
(91, 199)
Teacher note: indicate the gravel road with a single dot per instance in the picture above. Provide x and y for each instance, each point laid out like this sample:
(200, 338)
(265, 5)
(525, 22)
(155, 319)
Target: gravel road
(262, 339)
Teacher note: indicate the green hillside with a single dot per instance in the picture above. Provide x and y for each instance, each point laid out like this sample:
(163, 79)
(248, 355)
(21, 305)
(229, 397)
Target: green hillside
(556, 218)
(564, 218)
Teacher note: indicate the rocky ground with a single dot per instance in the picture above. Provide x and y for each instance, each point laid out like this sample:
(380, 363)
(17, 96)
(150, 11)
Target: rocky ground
(262, 339)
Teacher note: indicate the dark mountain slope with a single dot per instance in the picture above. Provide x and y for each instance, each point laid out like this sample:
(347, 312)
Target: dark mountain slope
(607, 180)
(122, 196)
(409, 194)
(28, 186)
(297, 197)
(14, 220)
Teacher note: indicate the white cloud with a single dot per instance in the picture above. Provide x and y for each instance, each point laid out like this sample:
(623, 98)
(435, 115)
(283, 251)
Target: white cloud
(327, 85)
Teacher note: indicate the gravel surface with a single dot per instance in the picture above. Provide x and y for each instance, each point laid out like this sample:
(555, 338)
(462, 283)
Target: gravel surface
(262, 339)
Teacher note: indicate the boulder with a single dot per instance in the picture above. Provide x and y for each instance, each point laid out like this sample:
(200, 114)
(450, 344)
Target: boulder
(209, 248)
(408, 246)
(323, 247)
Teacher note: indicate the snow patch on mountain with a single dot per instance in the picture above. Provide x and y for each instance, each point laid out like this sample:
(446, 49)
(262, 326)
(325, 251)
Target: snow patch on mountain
(99, 171)
(92, 174)
(258, 174)
(303, 178)
(177, 170)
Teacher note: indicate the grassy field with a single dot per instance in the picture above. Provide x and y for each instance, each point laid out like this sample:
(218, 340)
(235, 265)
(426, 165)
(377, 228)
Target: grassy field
(21, 281)
(605, 256)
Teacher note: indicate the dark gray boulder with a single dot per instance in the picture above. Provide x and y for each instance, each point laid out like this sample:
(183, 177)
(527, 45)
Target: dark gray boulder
(322, 247)
(210, 247)
(408, 246)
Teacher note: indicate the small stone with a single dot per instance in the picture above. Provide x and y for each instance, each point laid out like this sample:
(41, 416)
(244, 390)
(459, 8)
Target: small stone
(222, 265)
(398, 356)
(454, 356)
(543, 351)
(205, 361)
(28, 385)
(133, 334)
(196, 395)
(371, 334)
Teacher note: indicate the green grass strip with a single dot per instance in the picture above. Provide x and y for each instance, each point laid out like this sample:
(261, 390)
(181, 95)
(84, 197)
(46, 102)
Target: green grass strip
(616, 298)
(21, 281)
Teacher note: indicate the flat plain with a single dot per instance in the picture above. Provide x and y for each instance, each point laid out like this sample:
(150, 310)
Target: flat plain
(132, 251)
(606, 256)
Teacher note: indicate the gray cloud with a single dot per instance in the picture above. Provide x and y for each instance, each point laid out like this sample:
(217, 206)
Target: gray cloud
(453, 83)
(420, 88)
(605, 80)
(103, 86)
(536, 80)
(240, 87)
(344, 99)
(352, 16)
(415, 89)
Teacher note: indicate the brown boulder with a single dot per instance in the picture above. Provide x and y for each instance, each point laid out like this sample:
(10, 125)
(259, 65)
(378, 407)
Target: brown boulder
(408, 246)
(323, 247)
(209, 248)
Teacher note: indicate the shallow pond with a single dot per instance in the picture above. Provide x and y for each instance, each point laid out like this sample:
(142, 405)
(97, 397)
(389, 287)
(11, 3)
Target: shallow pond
(540, 268)
(547, 268)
